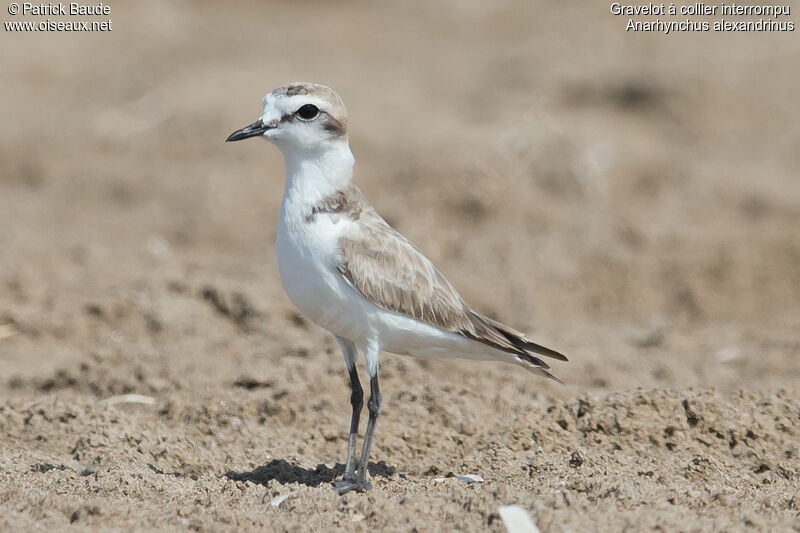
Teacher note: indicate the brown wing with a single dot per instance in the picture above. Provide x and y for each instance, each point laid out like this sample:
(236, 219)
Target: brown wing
(389, 271)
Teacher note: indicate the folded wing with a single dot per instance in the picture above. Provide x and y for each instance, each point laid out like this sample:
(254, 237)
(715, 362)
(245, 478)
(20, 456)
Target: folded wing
(390, 272)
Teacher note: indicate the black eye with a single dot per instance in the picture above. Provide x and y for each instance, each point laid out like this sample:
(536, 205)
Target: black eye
(308, 112)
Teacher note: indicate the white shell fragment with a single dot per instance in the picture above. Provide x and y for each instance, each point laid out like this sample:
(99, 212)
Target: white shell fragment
(517, 520)
(726, 355)
(128, 398)
(277, 500)
(468, 479)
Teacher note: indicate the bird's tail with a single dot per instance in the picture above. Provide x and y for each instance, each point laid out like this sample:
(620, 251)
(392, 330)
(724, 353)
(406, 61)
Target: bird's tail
(507, 339)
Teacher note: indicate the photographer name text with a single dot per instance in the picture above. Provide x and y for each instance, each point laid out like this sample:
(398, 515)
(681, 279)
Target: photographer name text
(59, 8)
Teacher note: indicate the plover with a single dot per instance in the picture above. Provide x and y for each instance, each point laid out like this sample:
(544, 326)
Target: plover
(351, 273)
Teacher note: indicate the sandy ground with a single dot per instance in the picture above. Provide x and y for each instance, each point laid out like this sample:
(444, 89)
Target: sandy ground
(630, 199)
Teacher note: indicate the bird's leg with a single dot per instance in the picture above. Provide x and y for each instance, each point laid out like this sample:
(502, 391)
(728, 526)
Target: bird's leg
(349, 481)
(374, 407)
(357, 401)
(360, 482)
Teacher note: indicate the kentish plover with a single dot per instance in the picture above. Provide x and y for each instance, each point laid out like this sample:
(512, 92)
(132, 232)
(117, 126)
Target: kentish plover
(351, 273)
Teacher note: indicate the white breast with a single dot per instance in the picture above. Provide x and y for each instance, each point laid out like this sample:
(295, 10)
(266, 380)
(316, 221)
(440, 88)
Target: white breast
(307, 249)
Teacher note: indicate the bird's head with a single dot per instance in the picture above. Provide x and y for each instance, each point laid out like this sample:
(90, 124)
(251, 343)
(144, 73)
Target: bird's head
(299, 117)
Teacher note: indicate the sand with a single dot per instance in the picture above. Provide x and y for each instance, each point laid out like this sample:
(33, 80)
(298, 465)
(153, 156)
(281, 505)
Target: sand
(629, 199)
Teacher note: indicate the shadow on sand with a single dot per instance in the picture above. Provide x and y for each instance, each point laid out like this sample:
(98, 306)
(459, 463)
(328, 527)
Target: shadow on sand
(284, 472)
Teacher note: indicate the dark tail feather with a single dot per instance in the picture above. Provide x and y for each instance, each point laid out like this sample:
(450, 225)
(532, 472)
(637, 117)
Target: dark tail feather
(542, 372)
(519, 341)
(502, 337)
(542, 350)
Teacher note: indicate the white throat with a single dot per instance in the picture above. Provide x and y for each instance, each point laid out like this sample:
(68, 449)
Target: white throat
(314, 175)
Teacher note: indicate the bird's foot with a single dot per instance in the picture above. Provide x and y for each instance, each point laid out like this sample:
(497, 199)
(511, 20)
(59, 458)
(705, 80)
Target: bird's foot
(347, 484)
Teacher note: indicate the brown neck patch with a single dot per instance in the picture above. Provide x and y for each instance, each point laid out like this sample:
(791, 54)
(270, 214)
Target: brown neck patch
(348, 201)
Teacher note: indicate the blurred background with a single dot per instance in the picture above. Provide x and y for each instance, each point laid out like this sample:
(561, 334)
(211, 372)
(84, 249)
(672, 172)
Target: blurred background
(630, 199)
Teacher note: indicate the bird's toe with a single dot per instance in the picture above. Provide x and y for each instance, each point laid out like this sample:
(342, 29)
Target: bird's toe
(346, 485)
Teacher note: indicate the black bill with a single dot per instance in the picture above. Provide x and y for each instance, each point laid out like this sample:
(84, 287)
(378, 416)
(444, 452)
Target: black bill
(253, 130)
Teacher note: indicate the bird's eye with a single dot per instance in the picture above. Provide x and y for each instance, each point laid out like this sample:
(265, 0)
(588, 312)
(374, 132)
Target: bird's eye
(308, 112)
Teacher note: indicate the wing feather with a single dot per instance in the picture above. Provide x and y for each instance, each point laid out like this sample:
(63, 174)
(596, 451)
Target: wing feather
(392, 273)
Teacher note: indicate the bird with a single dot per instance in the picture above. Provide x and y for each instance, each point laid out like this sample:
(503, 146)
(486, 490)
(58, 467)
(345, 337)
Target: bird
(348, 271)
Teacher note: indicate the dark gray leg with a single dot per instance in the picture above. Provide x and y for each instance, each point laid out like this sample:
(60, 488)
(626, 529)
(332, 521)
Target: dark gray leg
(374, 407)
(349, 480)
(357, 401)
(361, 483)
